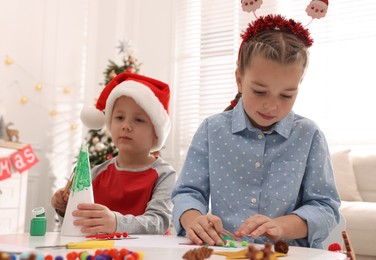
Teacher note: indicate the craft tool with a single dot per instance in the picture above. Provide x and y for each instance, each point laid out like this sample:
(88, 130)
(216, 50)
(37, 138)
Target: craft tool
(68, 185)
(91, 244)
(226, 232)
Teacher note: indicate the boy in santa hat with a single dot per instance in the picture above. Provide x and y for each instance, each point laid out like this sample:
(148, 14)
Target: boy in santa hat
(132, 191)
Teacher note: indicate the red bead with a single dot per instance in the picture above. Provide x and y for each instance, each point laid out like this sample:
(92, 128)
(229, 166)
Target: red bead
(98, 252)
(334, 247)
(118, 235)
(102, 236)
(125, 234)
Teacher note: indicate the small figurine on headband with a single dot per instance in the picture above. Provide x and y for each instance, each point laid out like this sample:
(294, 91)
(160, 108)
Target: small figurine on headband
(317, 8)
(251, 5)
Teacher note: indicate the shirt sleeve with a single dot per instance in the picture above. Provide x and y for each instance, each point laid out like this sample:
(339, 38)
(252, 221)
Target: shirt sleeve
(157, 216)
(319, 197)
(192, 188)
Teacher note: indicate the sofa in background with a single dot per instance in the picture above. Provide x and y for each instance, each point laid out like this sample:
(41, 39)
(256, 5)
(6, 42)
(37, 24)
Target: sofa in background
(355, 175)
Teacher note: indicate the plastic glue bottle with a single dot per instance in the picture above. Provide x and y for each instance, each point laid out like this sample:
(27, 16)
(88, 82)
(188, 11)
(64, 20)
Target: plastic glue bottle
(38, 222)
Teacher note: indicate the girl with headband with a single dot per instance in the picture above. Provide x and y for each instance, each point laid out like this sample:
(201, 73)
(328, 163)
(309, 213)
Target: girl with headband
(258, 169)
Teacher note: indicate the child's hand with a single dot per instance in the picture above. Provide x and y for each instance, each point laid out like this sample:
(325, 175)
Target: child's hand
(260, 225)
(58, 201)
(202, 228)
(98, 218)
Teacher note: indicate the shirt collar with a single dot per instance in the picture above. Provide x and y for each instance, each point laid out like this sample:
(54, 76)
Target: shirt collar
(240, 121)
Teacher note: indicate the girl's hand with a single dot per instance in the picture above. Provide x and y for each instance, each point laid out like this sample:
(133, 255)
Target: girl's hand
(58, 201)
(97, 218)
(260, 225)
(202, 229)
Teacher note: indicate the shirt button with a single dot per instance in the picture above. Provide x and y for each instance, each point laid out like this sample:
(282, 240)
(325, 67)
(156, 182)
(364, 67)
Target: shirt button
(253, 201)
(260, 136)
(258, 164)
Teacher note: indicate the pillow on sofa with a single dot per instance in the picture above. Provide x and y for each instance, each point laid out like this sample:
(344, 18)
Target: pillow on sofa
(344, 176)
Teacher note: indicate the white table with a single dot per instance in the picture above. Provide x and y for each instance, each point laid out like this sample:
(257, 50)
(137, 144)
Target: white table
(155, 247)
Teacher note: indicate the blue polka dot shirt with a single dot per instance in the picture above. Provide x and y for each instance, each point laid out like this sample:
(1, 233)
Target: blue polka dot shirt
(235, 170)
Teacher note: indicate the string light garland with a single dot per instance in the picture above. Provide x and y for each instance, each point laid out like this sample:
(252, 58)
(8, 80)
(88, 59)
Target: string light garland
(39, 86)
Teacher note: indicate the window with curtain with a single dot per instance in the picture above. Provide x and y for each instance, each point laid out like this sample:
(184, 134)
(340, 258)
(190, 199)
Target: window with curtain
(338, 90)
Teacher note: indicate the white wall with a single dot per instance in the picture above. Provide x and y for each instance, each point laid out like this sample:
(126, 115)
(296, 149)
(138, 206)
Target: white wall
(68, 43)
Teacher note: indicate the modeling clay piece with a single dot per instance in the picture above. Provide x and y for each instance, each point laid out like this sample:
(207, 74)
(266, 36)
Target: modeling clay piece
(264, 254)
(281, 246)
(200, 253)
(252, 252)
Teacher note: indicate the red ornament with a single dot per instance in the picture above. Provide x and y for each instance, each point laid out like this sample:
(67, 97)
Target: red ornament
(334, 247)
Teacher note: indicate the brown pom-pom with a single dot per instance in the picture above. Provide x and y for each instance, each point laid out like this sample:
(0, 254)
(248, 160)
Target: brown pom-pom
(200, 253)
(281, 246)
(252, 252)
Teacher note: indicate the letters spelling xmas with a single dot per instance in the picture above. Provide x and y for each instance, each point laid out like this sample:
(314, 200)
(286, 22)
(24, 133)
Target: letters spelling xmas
(22, 160)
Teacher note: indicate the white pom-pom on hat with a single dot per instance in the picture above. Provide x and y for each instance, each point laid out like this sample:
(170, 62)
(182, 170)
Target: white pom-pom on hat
(92, 118)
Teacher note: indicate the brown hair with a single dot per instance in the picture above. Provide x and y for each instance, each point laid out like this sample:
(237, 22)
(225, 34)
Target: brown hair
(275, 45)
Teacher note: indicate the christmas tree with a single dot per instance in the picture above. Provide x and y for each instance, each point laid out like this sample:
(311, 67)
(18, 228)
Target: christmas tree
(100, 145)
(130, 64)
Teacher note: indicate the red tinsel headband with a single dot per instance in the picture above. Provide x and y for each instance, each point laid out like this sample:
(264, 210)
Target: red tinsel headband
(277, 22)
(315, 9)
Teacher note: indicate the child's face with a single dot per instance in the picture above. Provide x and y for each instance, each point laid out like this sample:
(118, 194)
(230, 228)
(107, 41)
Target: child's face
(269, 90)
(131, 128)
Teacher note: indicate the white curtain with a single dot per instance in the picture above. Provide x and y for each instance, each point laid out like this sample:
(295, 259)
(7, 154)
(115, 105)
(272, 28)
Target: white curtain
(338, 90)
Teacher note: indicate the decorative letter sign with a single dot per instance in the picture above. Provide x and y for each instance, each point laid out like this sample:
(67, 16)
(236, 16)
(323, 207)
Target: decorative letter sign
(5, 170)
(24, 159)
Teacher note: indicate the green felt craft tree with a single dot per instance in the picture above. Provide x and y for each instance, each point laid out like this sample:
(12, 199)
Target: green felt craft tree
(100, 145)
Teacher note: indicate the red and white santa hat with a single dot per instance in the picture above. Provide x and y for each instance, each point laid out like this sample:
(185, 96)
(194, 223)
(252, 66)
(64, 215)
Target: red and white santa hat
(152, 95)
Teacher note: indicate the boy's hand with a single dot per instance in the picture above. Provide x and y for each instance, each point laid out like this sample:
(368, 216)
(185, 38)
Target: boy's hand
(58, 201)
(202, 228)
(96, 218)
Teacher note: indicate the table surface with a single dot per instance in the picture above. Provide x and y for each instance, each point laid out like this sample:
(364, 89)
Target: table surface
(153, 246)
